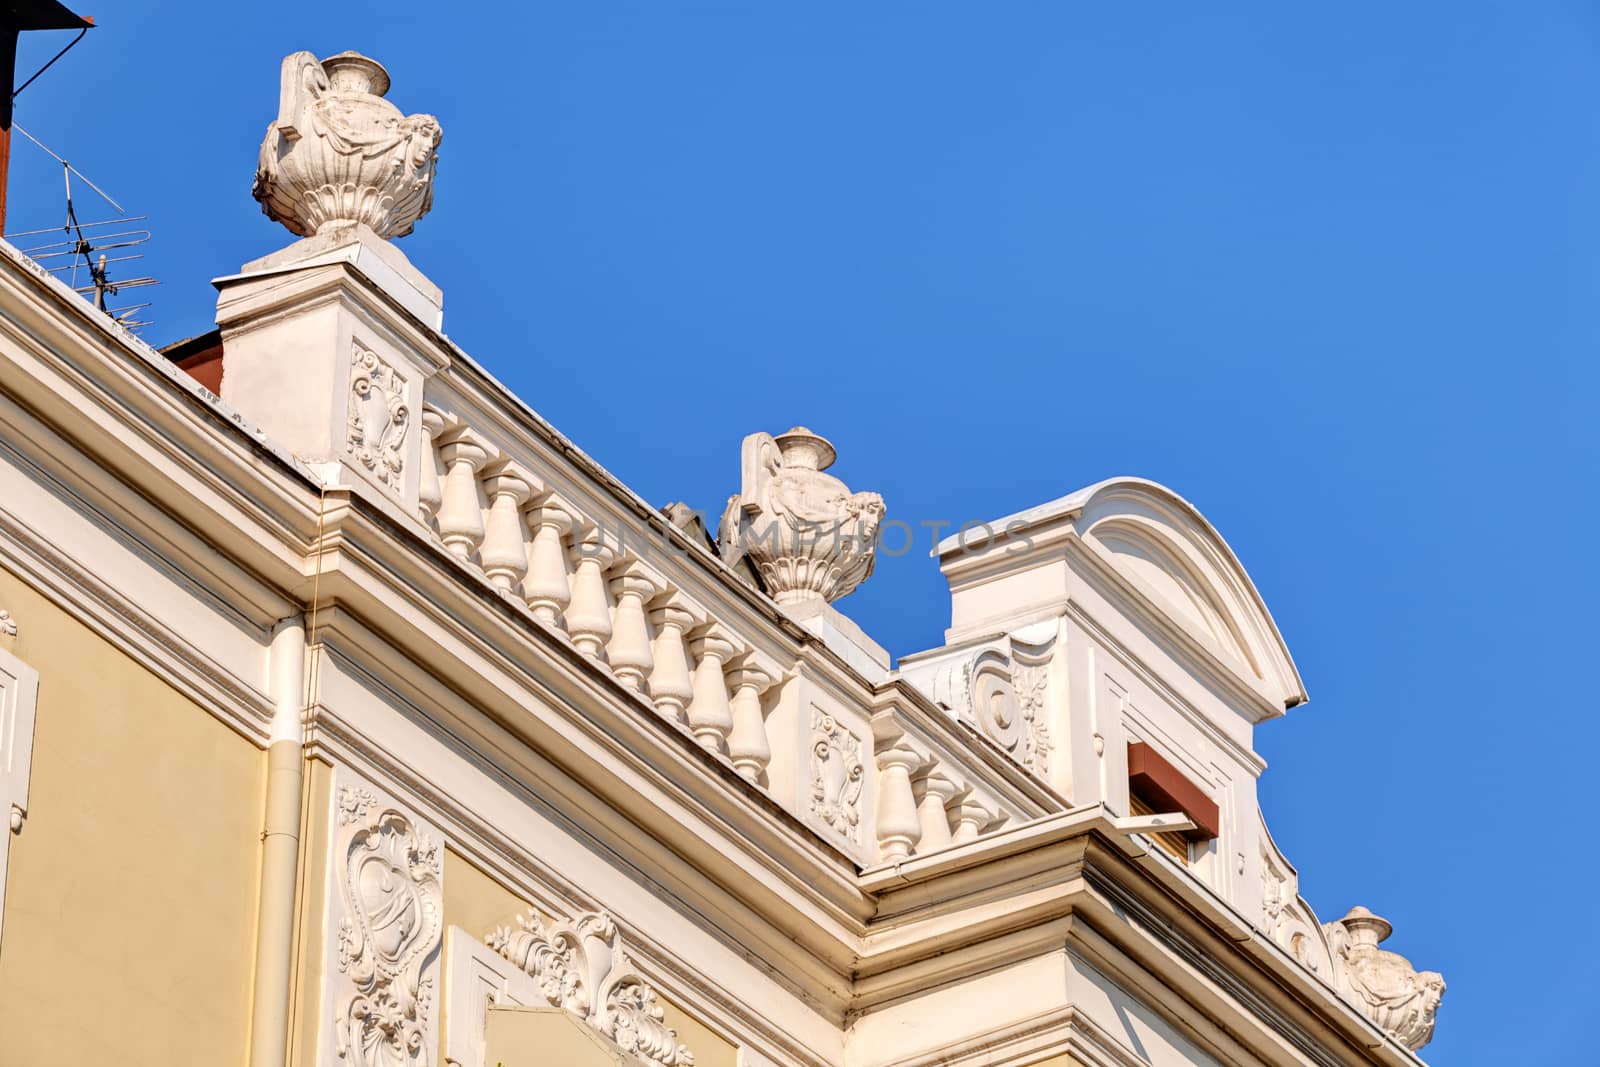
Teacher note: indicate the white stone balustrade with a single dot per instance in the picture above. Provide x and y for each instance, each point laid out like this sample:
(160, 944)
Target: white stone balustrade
(548, 585)
(430, 491)
(974, 816)
(629, 651)
(934, 791)
(748, 745)
(710, 711)
(460, 515)
(504, 552)
(899, 825)
(671, 683)
(589, 612)
(568, 565)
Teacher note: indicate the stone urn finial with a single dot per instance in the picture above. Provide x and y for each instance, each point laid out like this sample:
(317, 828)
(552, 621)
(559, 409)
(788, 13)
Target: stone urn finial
(340, 154)
(1402, 1000)
(808, 536)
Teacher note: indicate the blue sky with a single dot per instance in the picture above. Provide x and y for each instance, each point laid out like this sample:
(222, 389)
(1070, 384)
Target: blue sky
(1328, 272)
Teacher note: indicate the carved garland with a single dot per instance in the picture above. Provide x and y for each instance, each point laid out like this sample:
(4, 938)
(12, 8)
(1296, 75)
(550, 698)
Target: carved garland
(393, 903)
(1031, 682)
(378, 417)
(582, 967)
(836, 775)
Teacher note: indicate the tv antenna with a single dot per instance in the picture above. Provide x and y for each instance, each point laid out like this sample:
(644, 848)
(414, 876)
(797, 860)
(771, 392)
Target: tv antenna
(84, 258)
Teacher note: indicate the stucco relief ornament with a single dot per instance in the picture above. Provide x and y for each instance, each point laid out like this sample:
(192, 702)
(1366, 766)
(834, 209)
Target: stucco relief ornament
(339, 153)
(8, 625)
(808, 535)
(1400, 999)
(390, 935)
(583, 967)
(1004, 699)
(836, 775)
(375, 428)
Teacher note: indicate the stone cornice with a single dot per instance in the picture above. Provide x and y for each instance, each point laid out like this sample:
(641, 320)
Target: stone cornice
(248, 531)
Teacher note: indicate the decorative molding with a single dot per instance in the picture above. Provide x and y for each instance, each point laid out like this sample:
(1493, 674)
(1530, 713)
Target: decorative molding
(378, 417)
(582, 966)
(1001, 691)
(837, 775)
(339, 153)
(1285, 917)
(808, 536)
(387, 877)
(1032, 681)
(1400, 999)
(8, 625)
(19, 696)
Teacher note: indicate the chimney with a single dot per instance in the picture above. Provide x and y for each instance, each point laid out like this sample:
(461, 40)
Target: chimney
(327, 343)
(15, 18)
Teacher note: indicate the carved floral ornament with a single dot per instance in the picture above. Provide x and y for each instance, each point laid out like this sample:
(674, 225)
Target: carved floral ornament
(339, 153)
(1005, 698)
(808, 536)
(378, 416)
(1286, 917)
(837, 774)
(389, 937)
(583, 967)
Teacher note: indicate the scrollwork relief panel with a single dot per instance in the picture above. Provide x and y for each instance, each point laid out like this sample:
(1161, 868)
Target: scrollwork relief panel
(582, 966)
(385, 925)
(837, 775)
(378, 417)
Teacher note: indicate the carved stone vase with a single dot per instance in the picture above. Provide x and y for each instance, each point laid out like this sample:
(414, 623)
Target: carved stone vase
(339, 153)
(1400, 999)
(807, 534)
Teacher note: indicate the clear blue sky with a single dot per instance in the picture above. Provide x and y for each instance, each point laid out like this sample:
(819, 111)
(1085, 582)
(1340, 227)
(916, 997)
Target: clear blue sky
(1330, 272)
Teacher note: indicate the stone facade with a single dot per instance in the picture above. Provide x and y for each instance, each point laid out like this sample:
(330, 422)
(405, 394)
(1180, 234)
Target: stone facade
(510, 760)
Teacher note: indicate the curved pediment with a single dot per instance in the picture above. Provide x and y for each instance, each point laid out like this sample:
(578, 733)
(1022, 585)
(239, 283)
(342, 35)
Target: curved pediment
(1168, 551)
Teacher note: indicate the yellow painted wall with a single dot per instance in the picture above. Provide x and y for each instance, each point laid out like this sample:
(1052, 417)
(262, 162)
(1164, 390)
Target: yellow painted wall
(474, 901)
(709, 1049)
(535, 1037)
(130, 897)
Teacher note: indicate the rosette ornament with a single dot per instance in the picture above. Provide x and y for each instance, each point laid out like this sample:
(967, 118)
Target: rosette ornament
(807, 534)
(339, 153)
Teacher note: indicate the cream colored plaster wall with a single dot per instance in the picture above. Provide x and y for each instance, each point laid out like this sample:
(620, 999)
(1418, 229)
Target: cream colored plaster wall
(311, 900)
(134, 878)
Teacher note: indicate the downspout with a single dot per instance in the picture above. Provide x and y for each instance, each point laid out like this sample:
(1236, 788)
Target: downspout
(280, 848)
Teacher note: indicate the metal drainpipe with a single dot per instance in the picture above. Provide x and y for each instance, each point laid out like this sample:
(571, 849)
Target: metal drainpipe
(280, 848)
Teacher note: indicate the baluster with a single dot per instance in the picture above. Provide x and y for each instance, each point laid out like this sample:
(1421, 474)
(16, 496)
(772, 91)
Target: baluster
(710, 714)
(898, 825)
(629, 650)
(429, 492)
(548, 587)
(505, 552)
(460, 517)
(589, 613)
(973, 818)
(671, 685)
(934, 791)
(748, 745)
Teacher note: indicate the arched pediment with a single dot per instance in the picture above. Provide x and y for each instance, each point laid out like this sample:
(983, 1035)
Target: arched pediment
(1168, 551)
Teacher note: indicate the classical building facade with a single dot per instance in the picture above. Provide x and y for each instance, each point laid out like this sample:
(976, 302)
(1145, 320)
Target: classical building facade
(350, 715)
